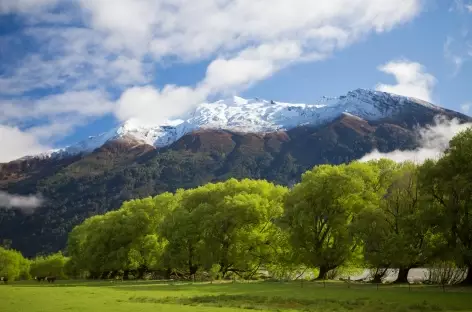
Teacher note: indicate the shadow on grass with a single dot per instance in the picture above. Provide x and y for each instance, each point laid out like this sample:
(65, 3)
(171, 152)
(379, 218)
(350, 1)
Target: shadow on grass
(88, 283)
(283, 286)
(277, 303)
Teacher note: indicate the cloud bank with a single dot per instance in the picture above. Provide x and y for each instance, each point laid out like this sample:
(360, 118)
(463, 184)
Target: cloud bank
(106, 54)
(432, 140)
(26, 204)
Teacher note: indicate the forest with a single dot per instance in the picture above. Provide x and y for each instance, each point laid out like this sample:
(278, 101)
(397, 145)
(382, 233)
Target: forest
(378, 215)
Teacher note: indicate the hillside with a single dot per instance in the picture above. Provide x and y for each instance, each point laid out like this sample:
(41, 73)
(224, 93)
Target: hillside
(81, 184)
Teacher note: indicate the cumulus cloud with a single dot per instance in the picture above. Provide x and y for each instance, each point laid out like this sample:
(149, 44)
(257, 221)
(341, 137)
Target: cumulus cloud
(432, 140)
(151, 105)
(27, 204)
(17, 143)
(250, 46)
(118, 46)
(411, 80)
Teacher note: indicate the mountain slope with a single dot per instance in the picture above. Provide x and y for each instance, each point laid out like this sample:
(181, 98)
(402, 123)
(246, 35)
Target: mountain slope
(256, 116)
(86, 184)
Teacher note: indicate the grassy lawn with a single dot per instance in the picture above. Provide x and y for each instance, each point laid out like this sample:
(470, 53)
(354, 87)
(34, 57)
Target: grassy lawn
(155, 296)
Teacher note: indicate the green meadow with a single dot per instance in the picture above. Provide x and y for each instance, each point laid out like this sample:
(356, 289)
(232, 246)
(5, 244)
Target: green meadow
(263, 296)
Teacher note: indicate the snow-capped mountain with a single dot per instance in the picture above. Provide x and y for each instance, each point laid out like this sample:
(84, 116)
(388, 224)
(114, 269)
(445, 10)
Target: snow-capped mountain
(254, 115)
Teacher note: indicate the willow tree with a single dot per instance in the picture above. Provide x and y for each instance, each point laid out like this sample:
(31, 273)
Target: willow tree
(320, 209)
(229, 225)
(400, 232)
(449, 183)
(12, 264)
(51, 265)
(121, 240)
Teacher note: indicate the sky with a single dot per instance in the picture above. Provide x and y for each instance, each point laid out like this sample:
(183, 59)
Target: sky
(70, 69)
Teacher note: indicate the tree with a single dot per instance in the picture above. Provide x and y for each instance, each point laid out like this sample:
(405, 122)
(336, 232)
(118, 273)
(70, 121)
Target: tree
(11, 263)
(228, 224)
(399, 232)
(320, 209)
(52, 265)
(239, 234)
(121, 240)
(448, 183)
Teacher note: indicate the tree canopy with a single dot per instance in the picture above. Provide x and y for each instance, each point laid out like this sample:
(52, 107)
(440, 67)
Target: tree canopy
(379, 215)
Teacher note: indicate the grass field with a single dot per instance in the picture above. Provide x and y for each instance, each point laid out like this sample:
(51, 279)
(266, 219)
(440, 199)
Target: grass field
(155, 296)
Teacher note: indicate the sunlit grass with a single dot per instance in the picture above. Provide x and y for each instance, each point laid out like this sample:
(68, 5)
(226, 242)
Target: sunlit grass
(223, 297)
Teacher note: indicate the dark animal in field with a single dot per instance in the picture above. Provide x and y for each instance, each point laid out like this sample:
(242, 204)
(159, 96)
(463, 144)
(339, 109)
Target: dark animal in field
(4, 279)
(40, 278)
(51, 279)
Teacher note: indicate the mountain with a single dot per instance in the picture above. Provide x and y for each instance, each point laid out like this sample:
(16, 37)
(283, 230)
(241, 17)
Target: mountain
(253, 116)
(229, 138)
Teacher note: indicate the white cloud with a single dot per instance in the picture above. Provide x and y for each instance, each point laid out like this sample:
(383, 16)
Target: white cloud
(16, 144)
(71, 58)
(151, 105)
(72, 105)
(85, 103)
(24, 6)
(120, 44)
(53, 117)
(432, 140)
(251, 65)
(27, 204)
(466, 107)
(412, 80)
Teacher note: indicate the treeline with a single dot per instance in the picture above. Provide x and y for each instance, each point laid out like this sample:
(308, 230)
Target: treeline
(379, 215)
(13, 266)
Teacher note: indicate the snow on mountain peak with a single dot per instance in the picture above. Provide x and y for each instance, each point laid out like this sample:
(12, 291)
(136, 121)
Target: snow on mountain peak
(253, 115)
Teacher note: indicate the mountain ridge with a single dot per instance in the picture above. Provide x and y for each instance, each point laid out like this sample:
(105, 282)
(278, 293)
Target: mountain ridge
(244, 115)
(82, 185)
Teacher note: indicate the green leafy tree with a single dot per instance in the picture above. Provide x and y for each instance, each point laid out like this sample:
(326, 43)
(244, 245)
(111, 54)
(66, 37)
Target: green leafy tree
(52, 265)
(182, 229)
(399, 233)
(121, 240)
(229, 224)
(448, 183)
(25, 265)
(320, 209)
(11, 264)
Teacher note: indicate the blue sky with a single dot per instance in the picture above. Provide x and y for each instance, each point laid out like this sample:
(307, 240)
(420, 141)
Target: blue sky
(71, 69)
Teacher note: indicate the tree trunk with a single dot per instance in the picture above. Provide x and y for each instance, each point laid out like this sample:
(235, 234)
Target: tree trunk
(168, 274)
(402, 276)
(113, 274)
(94, 275)
(141, 271)
(126, 275)
(468, 278)
(377, 279)
(105, 275)
(193, 269)
(323, 272)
